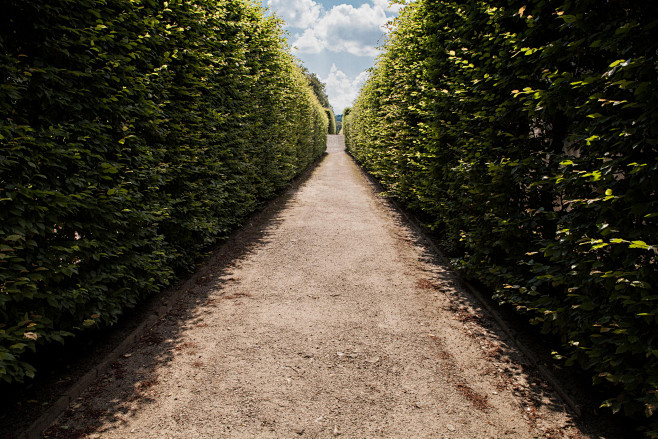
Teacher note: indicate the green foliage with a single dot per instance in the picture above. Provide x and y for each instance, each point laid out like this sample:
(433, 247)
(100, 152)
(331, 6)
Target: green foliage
(345, 121)
(526, 133)
(133, 136)
(331, 118)
(319, 88)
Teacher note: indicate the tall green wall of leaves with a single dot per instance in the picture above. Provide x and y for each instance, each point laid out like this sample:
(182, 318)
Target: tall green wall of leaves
(525, 135)
(331, 118)
(133, 135)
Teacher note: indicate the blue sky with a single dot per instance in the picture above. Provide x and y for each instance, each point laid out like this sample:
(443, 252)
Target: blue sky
(336, 39)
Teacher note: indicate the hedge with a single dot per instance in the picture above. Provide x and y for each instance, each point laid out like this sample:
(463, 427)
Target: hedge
(524, 133)
(133, 136)
(331, 118)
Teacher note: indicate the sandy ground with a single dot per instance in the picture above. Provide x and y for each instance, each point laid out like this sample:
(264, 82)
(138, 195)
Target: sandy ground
(330, 319)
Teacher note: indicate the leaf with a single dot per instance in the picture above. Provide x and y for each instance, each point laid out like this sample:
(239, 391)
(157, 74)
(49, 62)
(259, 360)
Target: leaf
(569, 18)
(639, 244)
(31, 335)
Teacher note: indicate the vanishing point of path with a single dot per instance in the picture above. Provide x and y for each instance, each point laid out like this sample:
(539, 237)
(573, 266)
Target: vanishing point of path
(329, 319)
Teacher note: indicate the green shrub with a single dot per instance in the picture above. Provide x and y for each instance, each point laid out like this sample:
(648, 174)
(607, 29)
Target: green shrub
(345, 126)
(133, 136)
(331, 118)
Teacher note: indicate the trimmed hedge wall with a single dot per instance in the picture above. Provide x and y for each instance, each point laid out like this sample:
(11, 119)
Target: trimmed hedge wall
(525, 133)
(331, 118)
(133, 136)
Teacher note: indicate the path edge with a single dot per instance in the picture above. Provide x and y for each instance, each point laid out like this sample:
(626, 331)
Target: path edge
(416, 226)
(172, 295)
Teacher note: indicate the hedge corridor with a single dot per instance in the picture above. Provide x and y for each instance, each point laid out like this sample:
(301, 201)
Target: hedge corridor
(524, 133)
(133, 135)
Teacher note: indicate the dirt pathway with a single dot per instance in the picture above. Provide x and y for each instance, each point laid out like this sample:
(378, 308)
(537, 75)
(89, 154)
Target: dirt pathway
(329, 320)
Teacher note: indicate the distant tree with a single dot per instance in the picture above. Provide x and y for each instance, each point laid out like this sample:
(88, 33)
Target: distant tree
(319, 88)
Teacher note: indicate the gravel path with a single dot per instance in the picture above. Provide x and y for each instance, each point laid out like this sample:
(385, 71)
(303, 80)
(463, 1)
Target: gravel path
(329, 319)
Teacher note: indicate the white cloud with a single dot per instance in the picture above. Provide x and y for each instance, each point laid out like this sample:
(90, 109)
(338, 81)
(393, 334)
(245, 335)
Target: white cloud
(341, 32)
(341, 89)
(308, 42)
(345, 28)
(297, 13)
